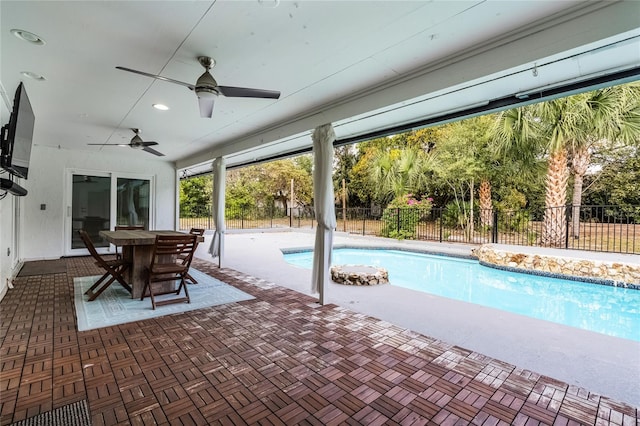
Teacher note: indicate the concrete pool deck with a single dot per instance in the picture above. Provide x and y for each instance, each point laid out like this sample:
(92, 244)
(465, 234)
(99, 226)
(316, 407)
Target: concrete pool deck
(602, 364)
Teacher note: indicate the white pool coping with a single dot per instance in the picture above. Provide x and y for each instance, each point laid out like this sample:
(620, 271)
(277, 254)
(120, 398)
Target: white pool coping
(602, 364)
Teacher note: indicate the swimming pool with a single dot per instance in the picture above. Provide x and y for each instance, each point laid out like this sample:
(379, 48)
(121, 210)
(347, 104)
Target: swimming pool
(614, 311)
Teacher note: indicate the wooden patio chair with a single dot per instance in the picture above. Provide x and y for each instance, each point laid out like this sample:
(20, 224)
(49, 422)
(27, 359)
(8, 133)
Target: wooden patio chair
(193, 231)
(126, 228)
(165, 269)
(113, 269)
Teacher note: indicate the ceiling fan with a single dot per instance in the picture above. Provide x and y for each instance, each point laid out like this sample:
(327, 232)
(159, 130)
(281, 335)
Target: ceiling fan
(136, 142)
(207, 88)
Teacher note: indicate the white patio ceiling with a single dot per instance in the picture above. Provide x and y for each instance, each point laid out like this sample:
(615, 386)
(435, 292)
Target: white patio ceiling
(361, 65)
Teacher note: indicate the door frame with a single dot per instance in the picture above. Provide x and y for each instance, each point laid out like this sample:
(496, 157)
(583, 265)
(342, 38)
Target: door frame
(113, 199)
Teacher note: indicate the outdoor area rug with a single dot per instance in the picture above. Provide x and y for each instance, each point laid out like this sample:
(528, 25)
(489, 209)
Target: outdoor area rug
(76, 414)
(115, 305)
(43, 267)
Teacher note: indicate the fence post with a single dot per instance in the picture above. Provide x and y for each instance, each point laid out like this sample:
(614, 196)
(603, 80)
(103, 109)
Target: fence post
(494, 227)
(242, 217)
(441, 224)
(398, 220)
(290, 217)
(566, 227)
(364, 222)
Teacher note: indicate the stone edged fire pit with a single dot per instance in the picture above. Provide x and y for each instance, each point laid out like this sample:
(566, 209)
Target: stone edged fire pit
(359, 275)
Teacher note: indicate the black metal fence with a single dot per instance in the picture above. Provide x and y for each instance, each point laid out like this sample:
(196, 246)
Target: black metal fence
(595, 228)
(249, 218)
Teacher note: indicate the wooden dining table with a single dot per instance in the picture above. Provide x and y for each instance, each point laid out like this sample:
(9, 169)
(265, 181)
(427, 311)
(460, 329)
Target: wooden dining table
(137, 248)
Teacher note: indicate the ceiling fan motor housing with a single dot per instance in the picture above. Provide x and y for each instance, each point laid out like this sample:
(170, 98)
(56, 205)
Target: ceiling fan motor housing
(136, 142)
(206, 86)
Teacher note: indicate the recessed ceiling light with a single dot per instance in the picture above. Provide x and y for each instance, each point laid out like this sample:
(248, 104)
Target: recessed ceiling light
(269, 3)
(161, 107)
(28, 36)
(33, 75)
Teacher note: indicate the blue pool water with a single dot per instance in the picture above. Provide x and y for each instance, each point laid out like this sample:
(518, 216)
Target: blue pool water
(604, 309)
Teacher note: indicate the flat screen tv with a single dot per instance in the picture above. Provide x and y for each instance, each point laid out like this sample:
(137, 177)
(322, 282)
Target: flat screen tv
(17, 136)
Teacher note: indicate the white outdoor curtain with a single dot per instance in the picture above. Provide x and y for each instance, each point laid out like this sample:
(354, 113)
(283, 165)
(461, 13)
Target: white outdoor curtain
(323, 198)
(219, 177)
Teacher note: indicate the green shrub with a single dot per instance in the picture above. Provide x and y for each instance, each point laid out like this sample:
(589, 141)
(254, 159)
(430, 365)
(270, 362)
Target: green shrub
(400, 218)
(456, 215)
(511, 214)
(513, 221)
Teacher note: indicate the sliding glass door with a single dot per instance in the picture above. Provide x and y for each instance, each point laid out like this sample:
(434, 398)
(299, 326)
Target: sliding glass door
(99, 201)
(90, 208)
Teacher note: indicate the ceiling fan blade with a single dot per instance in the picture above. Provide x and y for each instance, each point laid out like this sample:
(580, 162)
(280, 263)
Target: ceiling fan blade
(149, 143)
(246, 92)
(109, 144)
(206, 107)
(158, 77)
(153, 151)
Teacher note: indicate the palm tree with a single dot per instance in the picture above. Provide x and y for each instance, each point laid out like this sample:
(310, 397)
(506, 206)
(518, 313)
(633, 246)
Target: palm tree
(576, 123)
(485, 202)
(399, 172)
(567, 128)
(517, 135)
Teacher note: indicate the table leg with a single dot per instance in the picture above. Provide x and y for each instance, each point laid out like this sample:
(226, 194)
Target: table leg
(140, 258)
(127, 254)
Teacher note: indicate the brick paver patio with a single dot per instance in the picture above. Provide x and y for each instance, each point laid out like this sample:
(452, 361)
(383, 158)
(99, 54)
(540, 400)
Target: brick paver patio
(278, 359)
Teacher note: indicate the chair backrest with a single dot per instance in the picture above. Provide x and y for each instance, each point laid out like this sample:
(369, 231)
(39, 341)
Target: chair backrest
(86, 239)
(174, 246)
(197, 231)
(128, 227)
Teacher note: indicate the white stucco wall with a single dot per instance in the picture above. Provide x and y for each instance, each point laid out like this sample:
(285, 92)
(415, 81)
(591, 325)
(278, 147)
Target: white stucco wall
(42, 232)
(8, 252)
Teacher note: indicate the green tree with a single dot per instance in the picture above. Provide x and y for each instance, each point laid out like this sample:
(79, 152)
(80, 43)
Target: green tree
(521, 158)
(361, 187)
(464, 161)
(260, 185)
(245, 189)
(399, 172)
(618, 181)
(278, 176)
(304, 162)
(568, 128)
(425, 139)
(195, 196)
(344, 159)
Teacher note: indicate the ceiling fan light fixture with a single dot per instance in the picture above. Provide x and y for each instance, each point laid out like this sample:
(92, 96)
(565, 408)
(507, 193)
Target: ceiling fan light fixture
(207, 93)
(161, 107)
